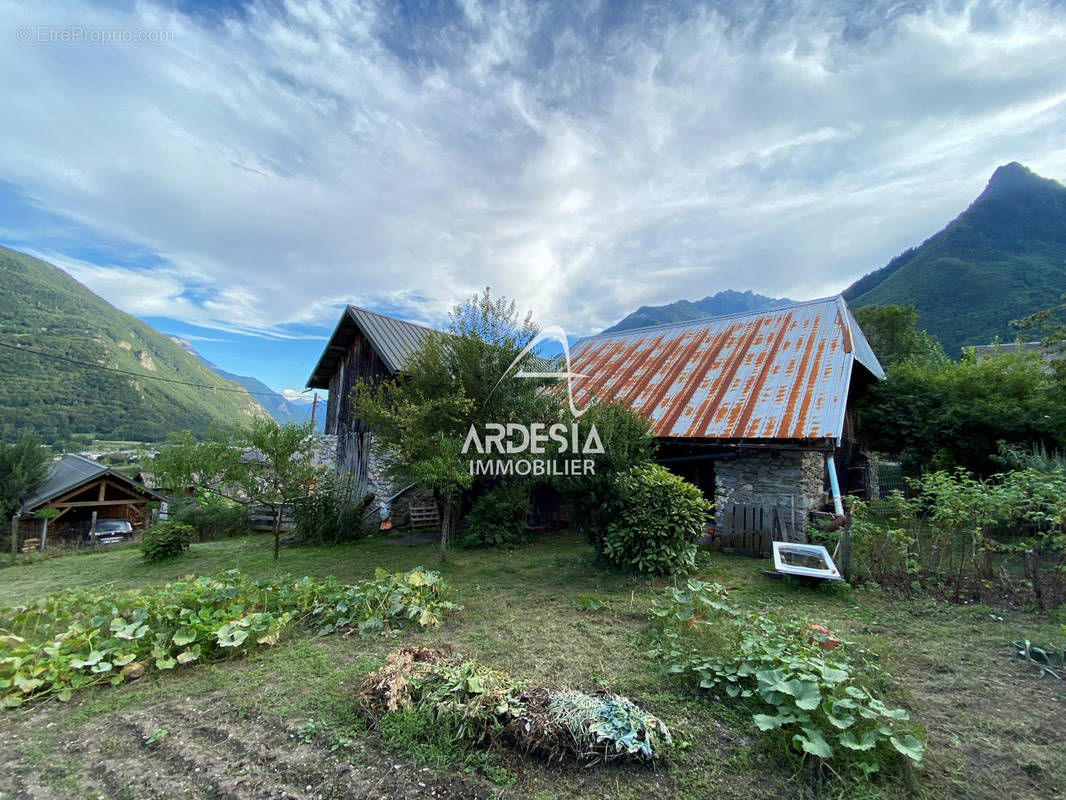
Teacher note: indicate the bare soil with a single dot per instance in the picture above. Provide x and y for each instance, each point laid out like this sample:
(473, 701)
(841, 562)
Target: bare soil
(206, 752)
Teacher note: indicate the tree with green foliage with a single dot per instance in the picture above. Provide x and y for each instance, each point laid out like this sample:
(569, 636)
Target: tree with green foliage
(263, 462)
(892, 332)
(1049, 324)
(935, 413)
(23, 468)
(453, 380)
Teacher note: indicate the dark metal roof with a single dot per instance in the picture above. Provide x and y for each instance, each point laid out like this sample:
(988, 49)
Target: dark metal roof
(781, 373)
(393, 339)
(66, 475)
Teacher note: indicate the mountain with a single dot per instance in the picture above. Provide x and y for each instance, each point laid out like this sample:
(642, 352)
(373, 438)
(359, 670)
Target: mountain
(716, 305)
(44, 309)
(1002, 258)
(274, 403)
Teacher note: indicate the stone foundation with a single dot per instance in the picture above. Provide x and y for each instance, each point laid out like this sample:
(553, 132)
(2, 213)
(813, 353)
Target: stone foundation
(773, 478)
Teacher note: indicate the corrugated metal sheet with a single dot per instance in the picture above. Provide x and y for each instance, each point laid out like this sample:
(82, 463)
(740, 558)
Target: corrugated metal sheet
(777, 374)
(393, 339)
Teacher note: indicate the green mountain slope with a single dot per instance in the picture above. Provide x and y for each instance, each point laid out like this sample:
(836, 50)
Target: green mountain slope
(43, 308)
(1001, 259)
(725, 302)
(277, 406)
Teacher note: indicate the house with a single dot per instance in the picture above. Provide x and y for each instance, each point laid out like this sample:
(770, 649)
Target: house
(364, 346)
(75, 491)
(748, 406)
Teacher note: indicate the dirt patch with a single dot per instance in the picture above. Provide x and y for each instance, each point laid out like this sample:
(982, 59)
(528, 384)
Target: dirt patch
(193, 748)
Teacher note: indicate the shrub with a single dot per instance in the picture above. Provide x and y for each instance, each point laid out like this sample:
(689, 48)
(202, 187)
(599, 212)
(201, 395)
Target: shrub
(655, 521)
(627, 441)
(331, 515)
(498, 518)
(166, 539)
(212, 520)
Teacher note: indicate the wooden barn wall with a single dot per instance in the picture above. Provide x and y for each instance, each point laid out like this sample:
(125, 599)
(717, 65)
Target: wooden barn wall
(361, 361)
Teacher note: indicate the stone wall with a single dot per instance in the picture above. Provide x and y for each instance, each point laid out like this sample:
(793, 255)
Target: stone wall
(772, 478)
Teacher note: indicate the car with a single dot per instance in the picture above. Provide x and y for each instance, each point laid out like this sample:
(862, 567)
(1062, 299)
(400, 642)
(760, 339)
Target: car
(108, 531)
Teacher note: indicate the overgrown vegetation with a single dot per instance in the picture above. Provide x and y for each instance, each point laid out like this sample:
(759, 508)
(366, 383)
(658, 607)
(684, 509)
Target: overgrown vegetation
(80, 637)
(23, 468)
(332, 515)
(452, 381)
(936, 413)
(212, 517)
(1003, 537)
(809, 692)
(477, 704)
(261, 462)
(990, 719)
(499, 517)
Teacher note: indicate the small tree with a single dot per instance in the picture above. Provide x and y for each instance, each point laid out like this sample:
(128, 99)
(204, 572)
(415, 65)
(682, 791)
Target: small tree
(263, 463)
(23, 468)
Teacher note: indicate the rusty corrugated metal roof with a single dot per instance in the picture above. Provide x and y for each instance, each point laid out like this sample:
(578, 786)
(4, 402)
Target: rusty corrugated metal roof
(781, 373)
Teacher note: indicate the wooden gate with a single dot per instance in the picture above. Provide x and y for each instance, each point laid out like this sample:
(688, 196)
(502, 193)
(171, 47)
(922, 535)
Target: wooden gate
(751, 529)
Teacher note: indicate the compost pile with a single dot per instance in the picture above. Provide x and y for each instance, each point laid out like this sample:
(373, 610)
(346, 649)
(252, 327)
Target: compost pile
(485, 705)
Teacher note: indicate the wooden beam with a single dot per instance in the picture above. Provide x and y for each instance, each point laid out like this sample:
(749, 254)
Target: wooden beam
(103, 490)
(98, 503)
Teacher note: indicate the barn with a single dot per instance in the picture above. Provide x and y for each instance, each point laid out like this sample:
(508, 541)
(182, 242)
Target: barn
(750, 407)
(364, 346)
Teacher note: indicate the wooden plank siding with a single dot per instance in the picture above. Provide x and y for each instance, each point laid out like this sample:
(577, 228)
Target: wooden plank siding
(360, 362)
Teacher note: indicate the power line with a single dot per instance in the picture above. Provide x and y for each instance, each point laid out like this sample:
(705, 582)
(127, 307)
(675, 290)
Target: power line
(143, 375)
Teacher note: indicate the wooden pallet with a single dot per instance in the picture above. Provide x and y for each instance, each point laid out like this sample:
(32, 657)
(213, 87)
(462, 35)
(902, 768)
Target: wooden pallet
(424, 515)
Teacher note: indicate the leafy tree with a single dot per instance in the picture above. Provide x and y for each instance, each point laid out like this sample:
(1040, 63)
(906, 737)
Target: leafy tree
(893, 333)
(263, 463)
(935, 413)
(1049, 324)
(23, 468)
(421, 419)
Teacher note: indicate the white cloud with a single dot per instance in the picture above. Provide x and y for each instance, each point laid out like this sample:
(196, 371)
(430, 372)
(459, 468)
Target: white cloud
(292, 160)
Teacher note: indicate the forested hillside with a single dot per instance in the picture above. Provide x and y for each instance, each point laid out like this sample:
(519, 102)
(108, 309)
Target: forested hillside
(44, 309)
(1001, 259)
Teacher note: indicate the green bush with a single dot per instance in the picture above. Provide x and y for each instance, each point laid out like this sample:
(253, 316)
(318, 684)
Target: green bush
(655, 522)
(591, 500)
(498, 518)
(213, 520)
(166, 539)
(331, 515)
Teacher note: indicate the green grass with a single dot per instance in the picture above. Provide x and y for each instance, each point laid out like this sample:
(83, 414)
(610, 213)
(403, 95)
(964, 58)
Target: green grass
(992, 724)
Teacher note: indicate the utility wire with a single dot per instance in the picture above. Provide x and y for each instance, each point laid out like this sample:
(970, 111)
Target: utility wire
(144, 375)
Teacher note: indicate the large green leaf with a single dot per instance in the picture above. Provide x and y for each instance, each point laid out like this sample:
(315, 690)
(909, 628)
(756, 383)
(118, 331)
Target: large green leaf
(908, 746)
(812, 742)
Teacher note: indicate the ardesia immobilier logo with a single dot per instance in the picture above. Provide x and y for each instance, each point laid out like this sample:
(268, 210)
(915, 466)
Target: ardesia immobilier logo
(535, 449)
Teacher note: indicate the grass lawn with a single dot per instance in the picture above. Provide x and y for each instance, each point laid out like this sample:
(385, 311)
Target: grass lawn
(281, 722)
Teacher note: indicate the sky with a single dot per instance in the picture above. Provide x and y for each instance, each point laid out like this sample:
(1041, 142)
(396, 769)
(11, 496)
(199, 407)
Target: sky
(235, 172)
